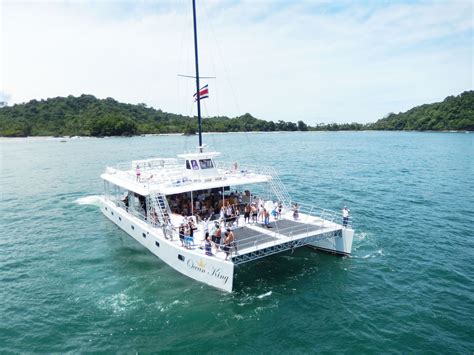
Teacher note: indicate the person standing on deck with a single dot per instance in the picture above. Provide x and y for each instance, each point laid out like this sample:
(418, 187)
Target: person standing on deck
(138, 173)
(247, 213)
(345, 216)
(216, 236)
(295, 211)
(266, 218)
(207, 245)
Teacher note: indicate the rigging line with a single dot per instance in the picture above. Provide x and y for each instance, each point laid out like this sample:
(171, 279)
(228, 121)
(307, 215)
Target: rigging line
(183, 58)
(223, 63)
(212, 57)
(200, 77)
(226, 70)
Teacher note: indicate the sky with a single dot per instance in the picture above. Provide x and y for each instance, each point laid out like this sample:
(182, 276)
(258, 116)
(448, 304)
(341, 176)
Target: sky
(316, 61)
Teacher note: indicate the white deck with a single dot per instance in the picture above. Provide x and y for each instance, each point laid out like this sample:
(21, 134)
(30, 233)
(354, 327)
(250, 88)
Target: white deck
(172, 178)
(253, 237)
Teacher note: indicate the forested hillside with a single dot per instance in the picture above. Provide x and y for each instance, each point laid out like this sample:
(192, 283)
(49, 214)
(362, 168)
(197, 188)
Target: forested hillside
(454, 113)
(87, 115)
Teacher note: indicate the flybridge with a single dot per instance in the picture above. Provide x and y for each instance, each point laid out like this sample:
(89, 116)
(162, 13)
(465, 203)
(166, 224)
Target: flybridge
(197, 171)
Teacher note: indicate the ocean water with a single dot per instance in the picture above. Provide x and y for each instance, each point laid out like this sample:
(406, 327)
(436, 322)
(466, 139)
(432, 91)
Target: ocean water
(70, 280)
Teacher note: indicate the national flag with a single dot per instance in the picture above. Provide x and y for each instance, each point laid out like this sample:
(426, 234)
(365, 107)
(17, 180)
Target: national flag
(203, 93)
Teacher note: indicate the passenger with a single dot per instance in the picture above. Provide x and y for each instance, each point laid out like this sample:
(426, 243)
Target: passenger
(254, 213)
(247, 210)
(207, 245)
(280, 207)
(227, 243)
(216, 236)
(266, 218)
(236, 216)
(229, 211)
(260, 216)
(138, 173)
(222, 214)
(182, 234)
(295, 211)
(345, 216)
(205, 226)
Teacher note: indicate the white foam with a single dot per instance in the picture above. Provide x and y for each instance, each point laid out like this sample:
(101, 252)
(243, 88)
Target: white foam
(269, 293)
(88, 200)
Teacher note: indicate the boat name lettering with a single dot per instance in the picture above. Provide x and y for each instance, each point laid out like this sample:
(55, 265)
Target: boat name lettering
(217, 273)
(197, 266)
(212, 271)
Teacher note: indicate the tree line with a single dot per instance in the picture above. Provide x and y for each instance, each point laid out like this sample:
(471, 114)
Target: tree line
(88, 116)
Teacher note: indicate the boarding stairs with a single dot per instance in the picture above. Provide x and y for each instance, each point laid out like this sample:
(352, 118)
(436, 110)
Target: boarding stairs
(161, 212)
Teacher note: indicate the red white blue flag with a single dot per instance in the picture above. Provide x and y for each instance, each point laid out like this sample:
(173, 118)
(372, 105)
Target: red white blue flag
(203, 93)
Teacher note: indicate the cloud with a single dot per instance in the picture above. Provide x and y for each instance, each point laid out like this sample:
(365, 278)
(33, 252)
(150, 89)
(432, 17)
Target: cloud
(316, 61)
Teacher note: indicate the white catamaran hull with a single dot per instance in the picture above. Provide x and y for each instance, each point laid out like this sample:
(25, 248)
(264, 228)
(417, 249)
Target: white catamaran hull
(194, 264)
(338, 245)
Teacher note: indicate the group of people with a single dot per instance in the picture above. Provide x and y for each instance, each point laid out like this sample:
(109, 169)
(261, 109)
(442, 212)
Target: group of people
(186, 232)
(220, 238)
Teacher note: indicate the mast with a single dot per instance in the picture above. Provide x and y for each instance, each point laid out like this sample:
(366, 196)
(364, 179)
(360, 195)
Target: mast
(197, 76)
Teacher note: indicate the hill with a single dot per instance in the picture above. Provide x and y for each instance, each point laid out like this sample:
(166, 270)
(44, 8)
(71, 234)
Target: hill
(454, 113)
(86, 115)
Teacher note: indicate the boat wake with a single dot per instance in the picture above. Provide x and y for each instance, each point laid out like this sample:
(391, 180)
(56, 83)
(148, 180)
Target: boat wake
(88, 200)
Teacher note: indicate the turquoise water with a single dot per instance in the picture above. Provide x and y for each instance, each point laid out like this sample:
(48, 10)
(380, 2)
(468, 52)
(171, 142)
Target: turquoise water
(70, 280)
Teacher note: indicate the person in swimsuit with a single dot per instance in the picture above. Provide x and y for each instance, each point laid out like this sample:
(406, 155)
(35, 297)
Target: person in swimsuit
(247, 213)
(227, 244)
(216, 237)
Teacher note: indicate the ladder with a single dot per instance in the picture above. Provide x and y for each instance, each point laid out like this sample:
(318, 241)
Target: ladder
(160, 213)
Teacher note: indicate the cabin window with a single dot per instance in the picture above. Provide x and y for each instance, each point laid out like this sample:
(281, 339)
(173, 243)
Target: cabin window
(132, 227)
(188, 166)
(106, 208)
(112, 212)
(120, 218)
(206, 163)
(180, 257)
(143, 235)
(194, 164)
(157, 244)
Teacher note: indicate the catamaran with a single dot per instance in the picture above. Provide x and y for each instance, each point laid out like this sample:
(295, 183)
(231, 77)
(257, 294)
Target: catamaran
(169, 205)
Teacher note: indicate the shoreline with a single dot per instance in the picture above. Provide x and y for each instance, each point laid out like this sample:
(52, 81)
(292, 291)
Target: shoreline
(221, 133)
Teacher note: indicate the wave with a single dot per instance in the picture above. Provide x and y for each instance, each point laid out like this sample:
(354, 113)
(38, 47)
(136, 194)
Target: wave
(88, 200)
(374, 254)
(269, 293)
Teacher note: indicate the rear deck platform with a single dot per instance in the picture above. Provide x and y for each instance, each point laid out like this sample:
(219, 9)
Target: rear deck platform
(254, 241)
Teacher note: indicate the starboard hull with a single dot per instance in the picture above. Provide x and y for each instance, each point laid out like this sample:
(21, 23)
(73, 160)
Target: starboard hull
(192, 263)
